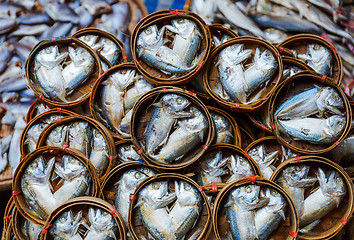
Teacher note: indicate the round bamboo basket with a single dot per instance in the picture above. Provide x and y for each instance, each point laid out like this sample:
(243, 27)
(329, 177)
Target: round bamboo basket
(299, 43)
(227, 150)
(96, 98)
(235, 130)
(103, 34)
(335, 220)
(82, 204)
(8, 212)
(210, 74)
(162, 18)
(82, 93)
(136, 227)
(218, 30)
(292, 86)
(142, 112)
(287, 228)
(8, 233)
(47, 153)
(17, 226)
(111, 154)
(123, 146)
(247, 134)
(40, 119)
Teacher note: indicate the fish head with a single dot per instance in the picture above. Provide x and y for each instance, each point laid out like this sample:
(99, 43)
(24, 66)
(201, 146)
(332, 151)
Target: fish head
(276, 200)
(265, 60)
(174, 103)
(335, 125)
(70, 169)
(90, 40)
(38, 171)
(240, 166)
(197, 124)
(247, 196)
(149, 37)
(65, 225)
(186, 193)
(333, 98)
(100, 220)
(221, 123)
(236, 53)
(183, 26)
(318, 52)
(332, 184)
(296, 172)
(134, 177)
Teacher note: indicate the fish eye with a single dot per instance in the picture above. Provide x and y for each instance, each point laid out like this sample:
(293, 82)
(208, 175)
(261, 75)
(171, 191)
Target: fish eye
(155, 186)
(148, 30)
(145, 170)
(179, 100)
(180, 20)
(187, 187)
(138, 175)
(248, 189)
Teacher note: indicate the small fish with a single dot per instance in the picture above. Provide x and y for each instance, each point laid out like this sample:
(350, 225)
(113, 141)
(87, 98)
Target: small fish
(319, 58)
(240, 211)
(48, 71)
(344, 152)
(30, 230)
(223, 129)
(264, 160)
(268, 218)
(205, 9)
(152, 210)
(211, 168)
(289, 71)
(99, 153)
(314, 130)
(66, 226)
(126, 152)
(167, 110)
(4, 148)
(76, 179)
(140, 87)
(316, 100)
(124, 127)
(326, 198)
(186, 211)
(239, 168)
(57, 136)
(103, 226)
(80, 136)
(126, 185)
(294, 180)
(14, 154)
(109, 50)
(189, 133)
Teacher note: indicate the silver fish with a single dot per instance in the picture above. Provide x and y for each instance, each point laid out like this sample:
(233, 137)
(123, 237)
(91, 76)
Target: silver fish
(268, 218)
(66, 226)
(314, 130)
(126, 152)
(344, 152)
(152, 210)
(14, 154)
(167, 110)
(186, 211)
(79, 69)
(36, 188)
(109, 50)
(91, 40)
(80, 136)
(319, 58)
(189, 133)
(310, 102)
(76, 179)
(223, 129)
(205, 9)
(289, 71)
(30, 230)
(264, 160)
(140, 87)
(48, 71)
(99, 153)
(4, 148)
(240, 211)
(326, 198)
(124, 127)
(211, 168)
(103, 226)
(294, 180)
(127, 185)
(57, 136)
(239, 168)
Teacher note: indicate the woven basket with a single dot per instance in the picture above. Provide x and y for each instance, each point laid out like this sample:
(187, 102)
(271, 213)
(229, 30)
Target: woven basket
(334, 221)
(287, 229)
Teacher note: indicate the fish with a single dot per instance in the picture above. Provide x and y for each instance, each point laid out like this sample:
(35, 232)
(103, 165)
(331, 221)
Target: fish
(234, 15)
(239, 168)
(326, 198)
(36, 187)
(169, 108)
(289, 71)
(58, 29)
(61, 12)
(112, 97)
(223, 129)
(189, 133)
(314, 130)
(211, 168)
(57, 136)
(264, 160)
(344, 152)
(187, 40)
(273, 35)
(241, 205)
(268, 218)
(127, 185)
(14, 154)
(4, 148)
(76, 179)
(294, 180)
(124, 127)
(287, 153)
(7, 25)
(126, 152)
(187, 208)
(33, 18)
(66, 226)
(30, 230)
(319, 58)
(313, 101)
(103, 225)
(91, 40)
(81, 66)
(231, 72)
(28, 30)
(141, 86)
(80, 136)
(48, 72)
(205, 9)
(109, 50)
(99, 153)
(152, 210)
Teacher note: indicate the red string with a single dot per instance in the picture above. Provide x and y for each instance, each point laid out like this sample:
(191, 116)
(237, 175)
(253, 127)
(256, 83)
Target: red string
(132, 196)
(112, 157)
(323, 78)
(253, 178)
(14, 193)
(164, 90)
(23, 155)
(293, 234)
(278, 55)
(177, 12)
(59, 109)
(45, 230)
(214, 188)
(237, 105)
(59, 120)
(343, 221)
(113, 212)
(297, 159)
(136, 60)
(140, 151)
(118, 136)
(261, 139)
(336, 143)
(202, 188)
(125, 57)
(333, 49)
(281, 49)
(200, 65)
(205, 147)
(273, 127)
(7, 218)
(65, 146)
(41, 99)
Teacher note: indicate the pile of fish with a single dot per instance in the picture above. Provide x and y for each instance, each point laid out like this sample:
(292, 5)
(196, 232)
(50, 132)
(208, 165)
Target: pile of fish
(173, 125)
(181, 57)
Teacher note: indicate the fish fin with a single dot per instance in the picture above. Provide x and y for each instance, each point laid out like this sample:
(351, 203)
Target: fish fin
(158, 104)
(195, 235)
(282, 214)
(308, 228)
